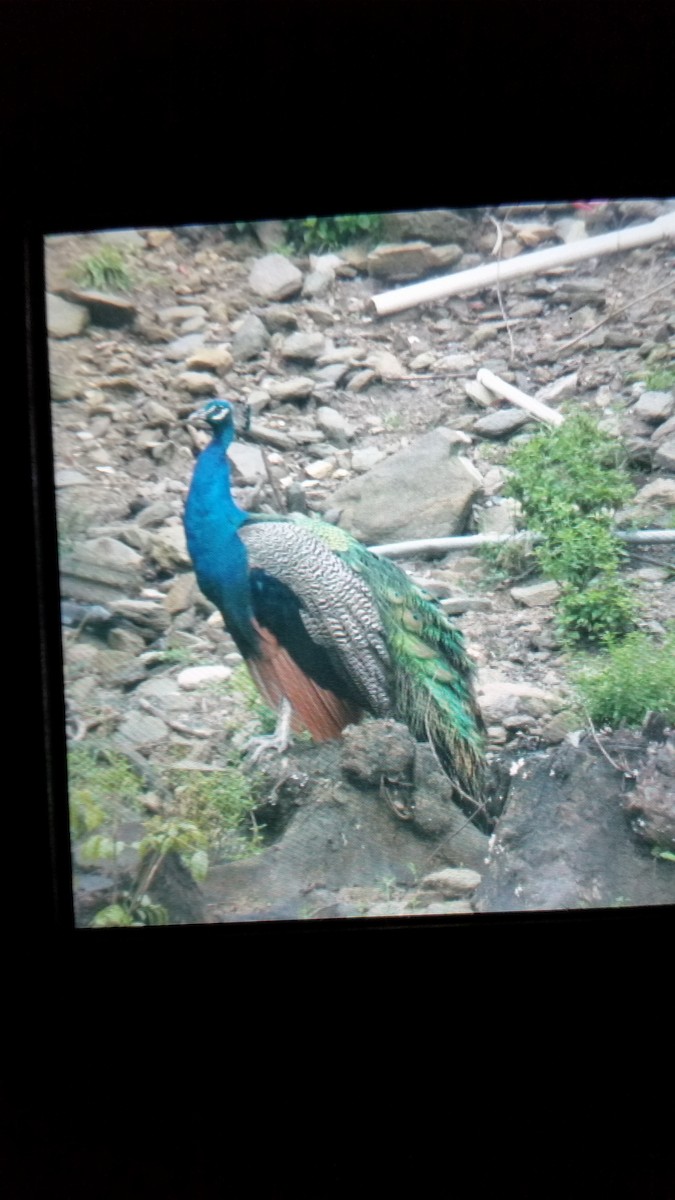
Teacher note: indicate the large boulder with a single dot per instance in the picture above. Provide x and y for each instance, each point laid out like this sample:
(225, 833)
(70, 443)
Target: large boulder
(423, 491)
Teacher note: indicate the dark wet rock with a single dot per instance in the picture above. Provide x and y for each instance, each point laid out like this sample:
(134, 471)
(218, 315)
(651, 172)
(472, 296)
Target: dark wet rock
(651, 807)
(376, 751)
(564, 841)
(104, 308)
(335, 832)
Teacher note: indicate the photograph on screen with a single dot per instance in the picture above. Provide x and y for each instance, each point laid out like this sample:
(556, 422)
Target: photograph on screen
(366, 537)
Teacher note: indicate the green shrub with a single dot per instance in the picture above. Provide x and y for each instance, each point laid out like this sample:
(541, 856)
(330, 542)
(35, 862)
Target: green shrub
(604, 609)
(630, 678)
(330, 233)
(570, 481)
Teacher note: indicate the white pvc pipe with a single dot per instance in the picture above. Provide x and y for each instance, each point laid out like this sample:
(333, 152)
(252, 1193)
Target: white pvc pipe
(537, 261)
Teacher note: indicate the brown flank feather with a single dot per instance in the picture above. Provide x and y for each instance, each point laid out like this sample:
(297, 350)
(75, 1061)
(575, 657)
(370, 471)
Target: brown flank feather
(315, 708)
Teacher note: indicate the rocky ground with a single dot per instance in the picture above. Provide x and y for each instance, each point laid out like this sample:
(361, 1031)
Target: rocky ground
(374, 422)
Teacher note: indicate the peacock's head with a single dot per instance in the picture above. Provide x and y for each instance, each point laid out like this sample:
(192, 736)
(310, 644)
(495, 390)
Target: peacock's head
(224, 418)
(218, 414)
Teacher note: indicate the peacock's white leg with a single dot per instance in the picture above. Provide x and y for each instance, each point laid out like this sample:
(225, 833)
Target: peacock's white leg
(279, 740)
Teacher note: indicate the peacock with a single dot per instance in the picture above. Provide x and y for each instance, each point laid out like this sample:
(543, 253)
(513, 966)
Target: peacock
(328, 630)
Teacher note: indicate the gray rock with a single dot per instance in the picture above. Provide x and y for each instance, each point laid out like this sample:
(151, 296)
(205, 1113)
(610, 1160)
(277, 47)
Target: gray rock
(442, 257)
(124, 639)
(275, 278)
(198, 383)
(536, 594)
(270, 234)
(303, 347)
(499, 518)
(279, 317)
(451, 882)
(558, 389)
(154, 514)
(655, 407)
(183, 346)
(501, 423)
(157, 414)
(130, 239)
(366, 457)
(318, 282)
(425, 490)
(248, 463)
(66, 477)
(385, 364)
(663, 432)
(330, 375)
(210, 358)
(64, 387)
(433, 225)
(140, 729)
(250, 339)
(665, 455)
(334, 425)
(298, 387)
(64, 319)
(401, 262)
(168, 548)
(180, 312)
(500, 697)
(361, 380)
(100, 570)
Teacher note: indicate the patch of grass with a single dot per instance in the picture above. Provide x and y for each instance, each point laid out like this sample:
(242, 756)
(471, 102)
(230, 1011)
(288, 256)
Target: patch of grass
(220, 804)
(629, 679)
(570, 481)
(660, 381)
(330, 233)
(99, 780)
(105, 271)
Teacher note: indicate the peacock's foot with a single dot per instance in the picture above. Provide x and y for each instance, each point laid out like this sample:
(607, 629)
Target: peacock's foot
(279, 740)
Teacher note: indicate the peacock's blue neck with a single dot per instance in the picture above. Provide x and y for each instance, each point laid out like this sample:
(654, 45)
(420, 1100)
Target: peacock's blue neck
(212, 520)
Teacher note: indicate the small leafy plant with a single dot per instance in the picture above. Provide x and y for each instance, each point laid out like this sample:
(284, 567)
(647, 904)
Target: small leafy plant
(105, 271)
(634, 676)
(570, 481)
(330, 233)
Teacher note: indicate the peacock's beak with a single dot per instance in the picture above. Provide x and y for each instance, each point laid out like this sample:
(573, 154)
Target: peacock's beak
(201, 413)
